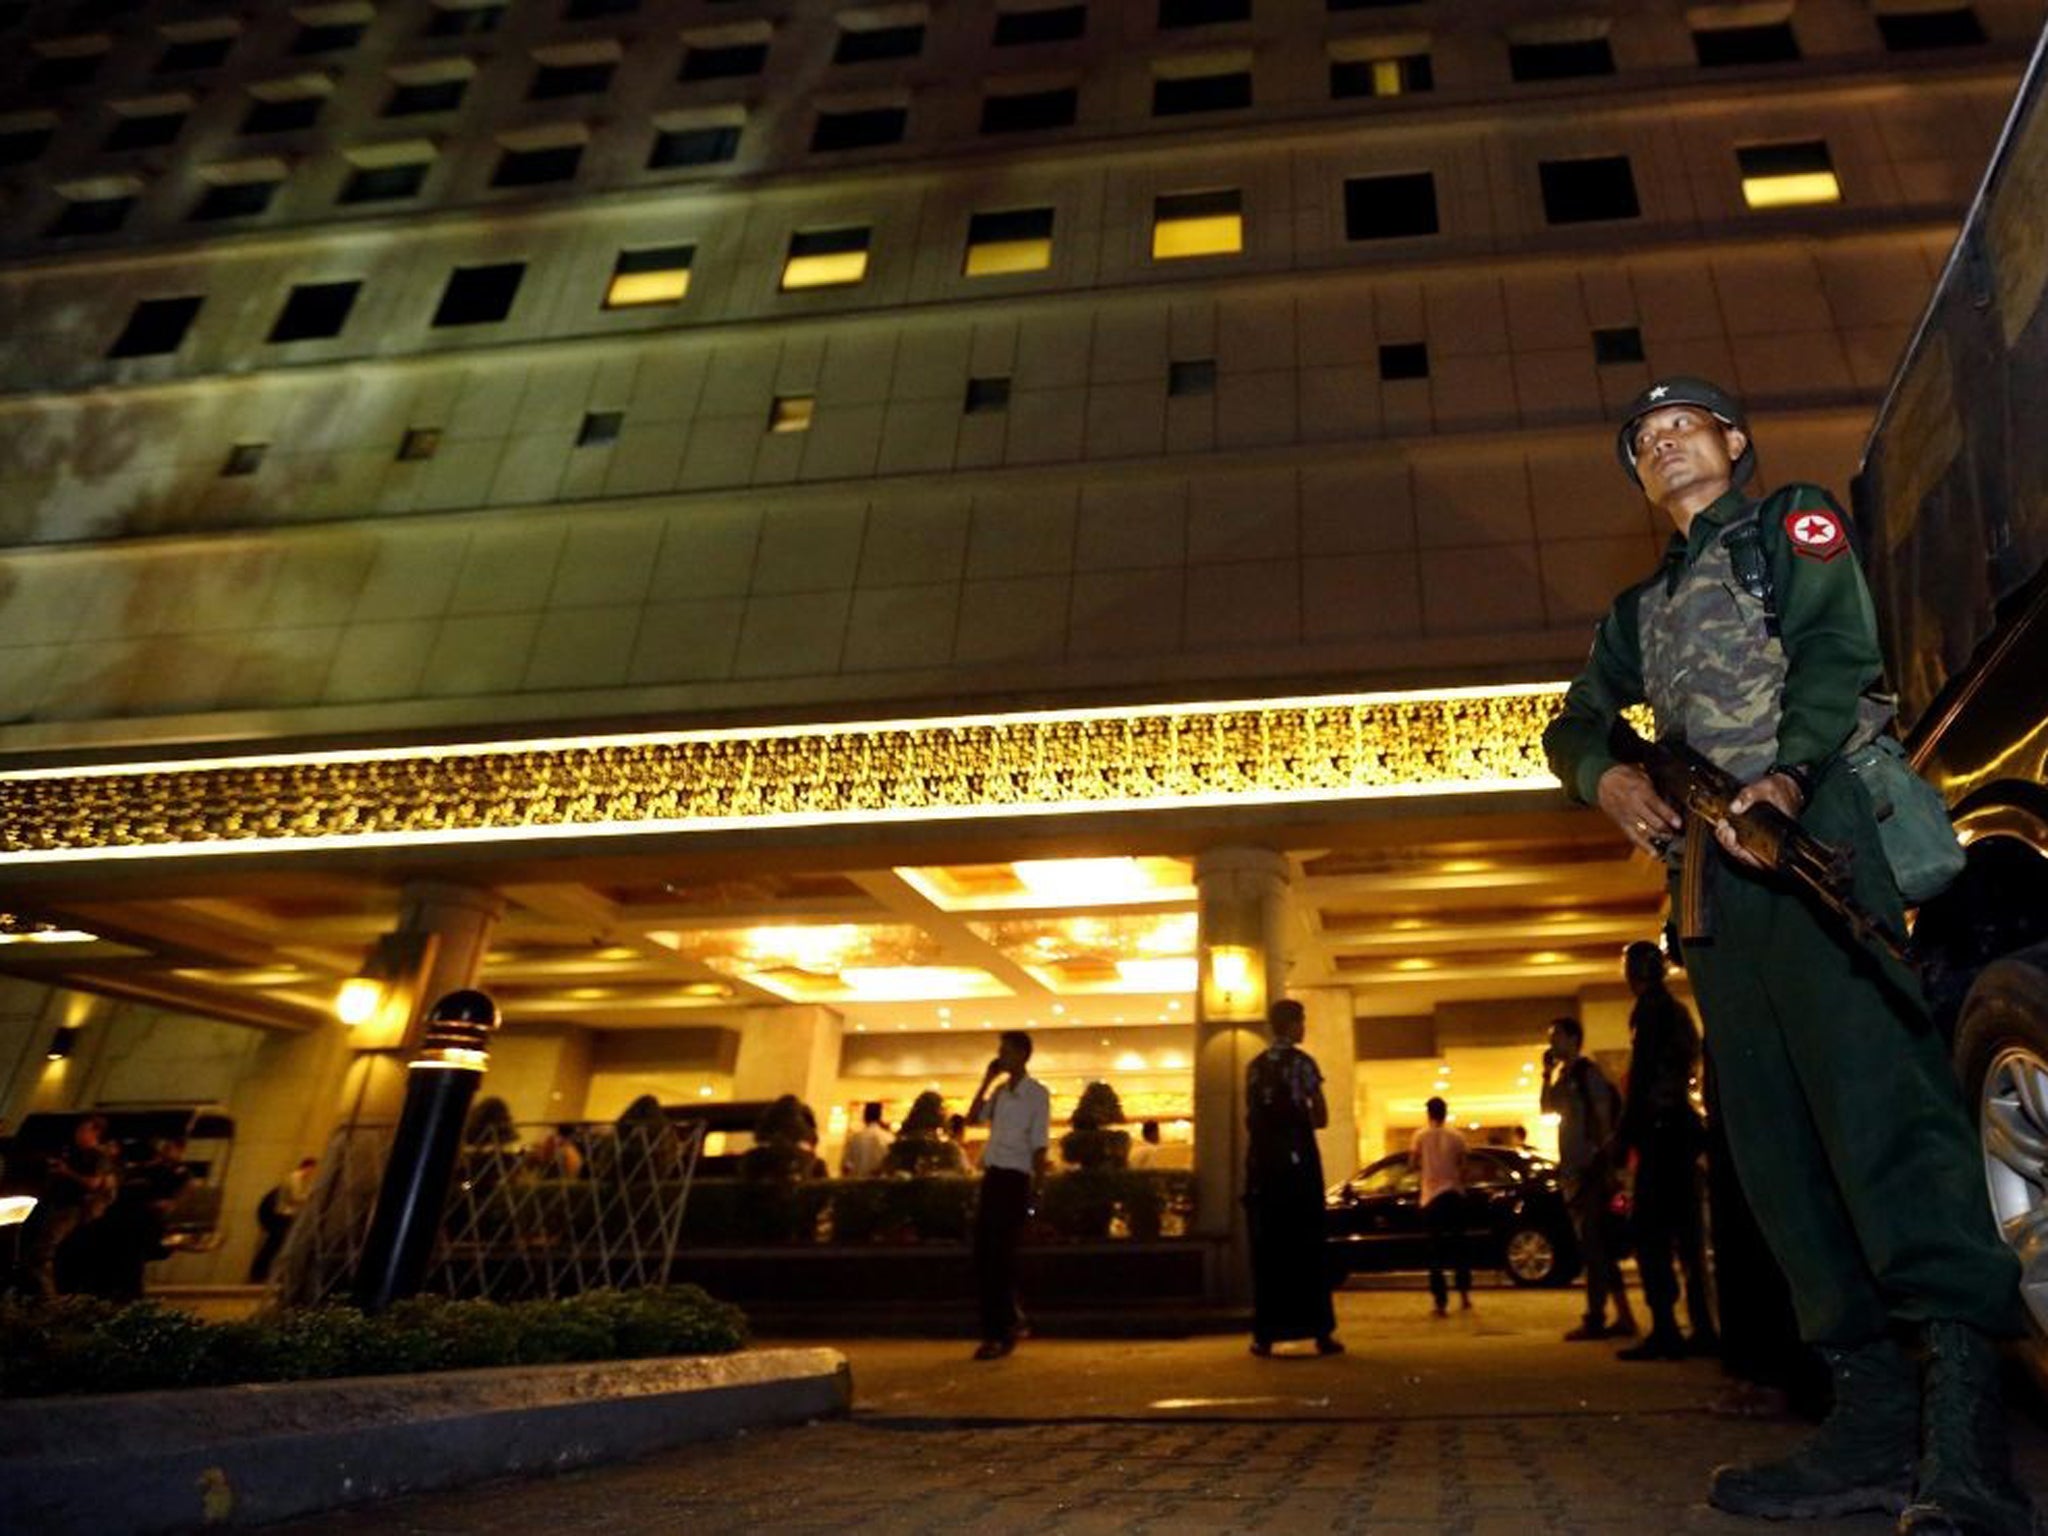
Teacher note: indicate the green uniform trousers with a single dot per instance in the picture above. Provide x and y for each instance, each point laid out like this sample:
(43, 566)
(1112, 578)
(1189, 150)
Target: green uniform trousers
(1841, 1107)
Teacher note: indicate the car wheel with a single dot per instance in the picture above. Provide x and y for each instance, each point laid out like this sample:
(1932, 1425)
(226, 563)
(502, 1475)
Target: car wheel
(2002, 1058)
(1530, 1257)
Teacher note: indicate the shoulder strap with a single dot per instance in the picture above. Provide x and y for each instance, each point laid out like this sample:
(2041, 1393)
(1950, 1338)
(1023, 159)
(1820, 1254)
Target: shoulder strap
(1751, 562)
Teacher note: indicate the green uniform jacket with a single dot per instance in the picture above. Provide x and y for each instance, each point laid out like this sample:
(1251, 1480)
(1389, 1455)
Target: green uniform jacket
(1827, 625)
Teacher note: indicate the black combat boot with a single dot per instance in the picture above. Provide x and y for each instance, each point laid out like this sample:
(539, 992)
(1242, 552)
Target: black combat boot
(1860, 1458)
(1965, 1483)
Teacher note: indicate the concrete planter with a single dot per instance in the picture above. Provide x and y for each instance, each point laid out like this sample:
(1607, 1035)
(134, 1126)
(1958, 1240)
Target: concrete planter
(166, 1462)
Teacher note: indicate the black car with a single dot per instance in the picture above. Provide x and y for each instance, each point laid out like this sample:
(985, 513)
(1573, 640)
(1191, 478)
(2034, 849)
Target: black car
(1515, 1219)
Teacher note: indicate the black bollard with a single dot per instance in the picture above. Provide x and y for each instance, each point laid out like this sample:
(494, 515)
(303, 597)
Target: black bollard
(439, 1084)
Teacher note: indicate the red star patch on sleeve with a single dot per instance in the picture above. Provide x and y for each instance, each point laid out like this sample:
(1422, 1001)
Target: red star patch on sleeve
(1816, 533)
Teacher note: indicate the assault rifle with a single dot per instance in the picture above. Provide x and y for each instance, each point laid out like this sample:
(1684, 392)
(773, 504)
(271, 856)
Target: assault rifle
(1702, 792)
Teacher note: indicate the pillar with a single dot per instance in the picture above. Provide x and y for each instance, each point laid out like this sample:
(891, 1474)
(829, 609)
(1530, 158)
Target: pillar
(1242, 938)
(789, 1050)
(1332, 1039)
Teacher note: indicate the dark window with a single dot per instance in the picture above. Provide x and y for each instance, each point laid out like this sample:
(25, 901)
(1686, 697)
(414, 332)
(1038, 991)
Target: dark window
(552, 81)
(411, 97)
(1769, 44)
(150, 132)
(1202, 13)
(1028, 111)
(328, 37)
(385, 183)
(285, 115)
(1560, 61)
(860, 130)
(1910, 31)
(1404, 360)
(1618, 344)
(60, 72)
(1389, 207)
(156, 326)
(1362, 5)
(600, 428)
(723, 63)
(92, 216)
(90, 13)
(315, 310)
(195, 53)
(871, 43)
(419, 444)
(18, 146)
(985, 397)
(1381, 77)
(537, 167)
(479, 295)
(1016, 224)
(1015, 28)
(1201, 93)
(583, 10)
(468, 21)
(694, 146)
(243, 459)
(1196, 377)
(1584, 191)
(233, 200)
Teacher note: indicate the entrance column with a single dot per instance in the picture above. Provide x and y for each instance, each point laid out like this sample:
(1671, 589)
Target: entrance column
(789, 1050)
(1332, 1038)
(1242, 939)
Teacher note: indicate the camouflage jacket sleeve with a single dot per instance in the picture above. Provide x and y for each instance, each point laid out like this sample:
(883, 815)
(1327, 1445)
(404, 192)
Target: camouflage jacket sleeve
(1826, 621)
(1576, 741)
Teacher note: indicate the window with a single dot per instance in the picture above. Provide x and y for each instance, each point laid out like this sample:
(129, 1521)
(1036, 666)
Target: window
(1786, 175)
(600, 429)
(553, 81)
(145, 130)
(792, 413)
(243, 459)
(18, 146)
(659, 276)
(723, 62)
(862, 129)
(537, 166)
(1195, 377)
(93, 215)
(1772, 43)
(63, 71)
(1618, 344)
(328, 37)
(155, 327)
(282, 114)
(826, 258)
(419, 444)
(1202, 13)
(1018, 28)
(314, 311)
(234, 200)
(1362, 5)
(694, 146)
(385, 183)
(1197, 224)
(1587, 191)
(1173, 95)
(1398, 76)
(1910, 31)
(1029, 110)
(1002, 243)
(987, 397)
(409, 98)
(864, 45)
(1560, 60)
(583, 10)
(464, 21)
(479, 295)
(1390, 207)
(195, 53)
(1404, 360)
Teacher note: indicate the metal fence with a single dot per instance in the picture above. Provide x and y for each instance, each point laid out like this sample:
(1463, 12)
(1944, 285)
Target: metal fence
(536, 1210)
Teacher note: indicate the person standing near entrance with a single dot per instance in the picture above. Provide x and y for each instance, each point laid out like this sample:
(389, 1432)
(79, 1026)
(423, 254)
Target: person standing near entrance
(1018, 1112)
(1587, 1109)
(1755, 642)
(1283, 1189)
(1439, 1157)
(1660, 1126)
(866, 1147)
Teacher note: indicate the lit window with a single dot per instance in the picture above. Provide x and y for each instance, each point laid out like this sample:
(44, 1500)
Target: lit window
(650, 277)
(1197, 224)
(826, 258)
(1000, 243)
(1785, 175)
(1394, 76)
(792, 413)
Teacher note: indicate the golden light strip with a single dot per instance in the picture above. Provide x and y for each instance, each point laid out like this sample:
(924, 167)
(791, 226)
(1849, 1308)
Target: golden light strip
(1054, 762)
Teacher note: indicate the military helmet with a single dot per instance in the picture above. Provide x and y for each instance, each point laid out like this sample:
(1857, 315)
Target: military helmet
(1681, 389)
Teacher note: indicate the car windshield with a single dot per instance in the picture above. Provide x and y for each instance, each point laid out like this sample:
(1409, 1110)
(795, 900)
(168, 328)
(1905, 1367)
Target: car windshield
(1390, 1177)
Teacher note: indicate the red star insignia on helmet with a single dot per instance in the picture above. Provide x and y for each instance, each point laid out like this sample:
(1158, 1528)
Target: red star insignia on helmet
(1816, 533)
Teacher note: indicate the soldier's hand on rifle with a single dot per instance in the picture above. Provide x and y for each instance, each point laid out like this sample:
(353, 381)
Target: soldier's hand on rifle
(1633, 804)
(1774, 789)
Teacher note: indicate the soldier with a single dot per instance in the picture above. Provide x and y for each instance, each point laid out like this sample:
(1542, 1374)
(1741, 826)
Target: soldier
(1754, 641)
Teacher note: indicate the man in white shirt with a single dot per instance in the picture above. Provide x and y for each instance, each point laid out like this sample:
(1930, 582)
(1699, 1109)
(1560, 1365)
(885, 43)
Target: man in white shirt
(1018, 1112)
(1439, 1156)
(866, 1147)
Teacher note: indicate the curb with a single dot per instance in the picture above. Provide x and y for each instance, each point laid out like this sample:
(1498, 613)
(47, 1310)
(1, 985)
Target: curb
(157, 1463)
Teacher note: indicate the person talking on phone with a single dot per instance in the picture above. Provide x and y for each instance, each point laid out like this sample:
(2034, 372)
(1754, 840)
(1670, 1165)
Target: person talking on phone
(1018, 1112)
